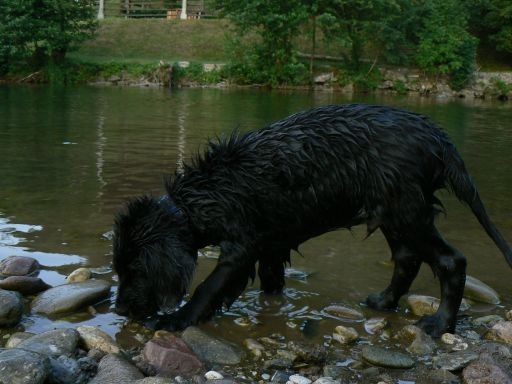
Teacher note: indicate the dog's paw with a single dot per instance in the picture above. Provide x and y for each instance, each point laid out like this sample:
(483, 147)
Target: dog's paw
(173, 322)
(380, 302)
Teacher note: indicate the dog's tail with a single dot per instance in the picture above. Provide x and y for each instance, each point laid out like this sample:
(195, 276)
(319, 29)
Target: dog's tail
(462, 185)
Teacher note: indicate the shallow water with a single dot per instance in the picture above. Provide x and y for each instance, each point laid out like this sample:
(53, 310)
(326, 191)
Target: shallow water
(70, 156)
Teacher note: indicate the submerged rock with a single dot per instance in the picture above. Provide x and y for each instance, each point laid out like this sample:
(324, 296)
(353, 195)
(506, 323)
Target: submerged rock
(344, 312)
(52, 343)
(375, 325)
(308, 353)
(114, 369)
(386, 358)
(210, 349)
(18, 266)
(419, 342)
(70, 297)
(454, 361)
(479, 291)
(345, 335)
(488, 320)
(95, 338)
(11, 308)
(26, 285)
(254, 346)
(79, 275)
(18, 366)
(423, 305)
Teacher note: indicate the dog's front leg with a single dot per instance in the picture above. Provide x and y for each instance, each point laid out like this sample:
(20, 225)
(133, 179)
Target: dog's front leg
(222, 286)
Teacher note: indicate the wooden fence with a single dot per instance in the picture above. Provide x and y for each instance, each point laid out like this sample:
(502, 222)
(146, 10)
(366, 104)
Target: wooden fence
(170, 9)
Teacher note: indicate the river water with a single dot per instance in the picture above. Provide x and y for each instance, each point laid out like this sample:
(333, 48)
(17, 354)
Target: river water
(71, 156)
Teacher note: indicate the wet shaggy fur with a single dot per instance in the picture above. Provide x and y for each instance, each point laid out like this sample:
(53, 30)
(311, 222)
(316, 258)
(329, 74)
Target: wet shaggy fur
(261, 194)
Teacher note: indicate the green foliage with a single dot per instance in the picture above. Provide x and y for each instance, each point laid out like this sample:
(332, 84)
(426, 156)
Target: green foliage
(501, 88)
(33, 31)
(195, 72)
(400, 87)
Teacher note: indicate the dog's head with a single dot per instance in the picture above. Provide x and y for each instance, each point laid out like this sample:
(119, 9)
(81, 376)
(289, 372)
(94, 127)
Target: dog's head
(152, 257)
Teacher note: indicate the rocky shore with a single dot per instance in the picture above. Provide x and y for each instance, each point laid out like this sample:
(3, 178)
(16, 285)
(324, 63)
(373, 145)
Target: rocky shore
(362, 348)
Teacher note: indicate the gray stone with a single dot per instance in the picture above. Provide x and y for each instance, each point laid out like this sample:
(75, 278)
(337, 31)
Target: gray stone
(375, 325)
(308, 353)
(213, 375)
(94, 338)
(277, 363)
(154, 380)
(386, 358)
(18, 266)
(70, 297)
(280, 376)
(335, 371)
(254, 346)
(501, 331)
(52, 343)
(298, 379)
(18, 366)
(479, 291)
(492, 366)
(11, 308)
(65, 370)
(442, 376)
(419, 343)
(210, 349)
(488, 320)
(114, 369)
(341, 311)
(454, 361)
(26, 285)
(17, 338)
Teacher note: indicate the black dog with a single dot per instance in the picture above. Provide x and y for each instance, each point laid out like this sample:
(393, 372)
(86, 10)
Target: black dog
(261, 194)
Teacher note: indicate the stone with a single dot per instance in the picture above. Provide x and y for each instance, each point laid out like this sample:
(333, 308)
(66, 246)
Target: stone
(280, 376)
(114, 369)
(213, 375)
(171, 356)
(423, 305)
(442, 376)
(340, 311)
(26, 285)
(18, 366)
(18, 266)
(298, 379)
(94, 338)
(486, 320)
(345, 335)
(375, 325)
(52, 343)
(454, 361)
(210, 349)
(65, 370)
(79, 275)
(479, 291)
(16, 338)
(508, 315)
(70, 297)
(419, 342)
(308, 353)
(154, 380)
(492, 366)
(254, 346)
(277, 363)
(324, 78)
(11, 308)
(386, 358)
(325, 380)
(335, 371)
(501, 331)
(457, 342)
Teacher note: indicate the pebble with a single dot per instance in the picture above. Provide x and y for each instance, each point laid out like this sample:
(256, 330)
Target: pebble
(345, 335)
(486, 320)
(375, 325)
(254, 346)
(501, 331)
(325, 380)
(26, 285)
(18, 266)
(210, 349)
(457, 342)
(344, 312)
(22, 366)
(386, 358)
(70, 297)
(427, 305)
(508, 315)
(213, 375)
(454, 361)
(95, 338)
(476, 290)
(79, 275)
(298, 379)
(11, 308)
(53, 343)
(419, 342)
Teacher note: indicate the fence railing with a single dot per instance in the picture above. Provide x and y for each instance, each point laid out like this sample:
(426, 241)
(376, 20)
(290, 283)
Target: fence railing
(170, 9)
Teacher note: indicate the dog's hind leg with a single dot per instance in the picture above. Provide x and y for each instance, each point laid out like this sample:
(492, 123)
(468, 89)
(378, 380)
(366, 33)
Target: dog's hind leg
(407, 264)
(271, 269)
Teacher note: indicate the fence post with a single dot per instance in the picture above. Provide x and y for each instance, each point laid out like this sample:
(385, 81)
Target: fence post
(127, 8)
(183, 15)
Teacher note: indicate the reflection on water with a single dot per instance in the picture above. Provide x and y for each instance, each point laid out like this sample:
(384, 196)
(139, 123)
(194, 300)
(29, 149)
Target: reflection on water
(71, 156)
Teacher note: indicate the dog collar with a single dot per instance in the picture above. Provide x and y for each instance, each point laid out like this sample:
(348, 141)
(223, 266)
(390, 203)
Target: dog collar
(168, 204)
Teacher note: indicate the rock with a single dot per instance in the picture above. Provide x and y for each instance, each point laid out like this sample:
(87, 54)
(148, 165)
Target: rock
(508, 315)
(324, 78)
(487, 320)
(457, 342)
(454, 361)
(79, 275)
(419, 343)
(386, 358)
(280, 376)
(26, 285)
(308, 353)
(88, 365)
(70, 297)
(18, 266)
(213, 375)
(345, 335)
(442, 376)
(277, 363)
(18, 366)
(343, 312)
(501, 331)
(113, 369)
(325, 380)
(335, 371)
(423, 305)
(52, 343)
(155, 380)
(375, 325)
(479, 291)
(492, 366)
(65, 370)
(16, 338)
(95, 338)
(255, 347)
(96, 354)
(271, 342)
(170, 356)
(298, 379)
(11, 308)
(209, 349)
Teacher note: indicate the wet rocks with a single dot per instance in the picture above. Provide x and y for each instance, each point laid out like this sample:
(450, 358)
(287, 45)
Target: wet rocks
(308, 353)
(343, 312)
(501, 331)
(479, 291)
(419, 343)
(11, 308)
(386, 358)
(492, 366)
(114, 369)
(52, 343)
(457, 342)
(375, 325)
(170, 356)
(18, 266)
(210, 349)
(298, 379)
(69, 297)
(345, 335)
(213, 375)
(65, 370)
(254, 346)
(95, 338)
(18, 366)
(423, 305)
(26, 285)
(454, 361)
(17, 338)
(79, 275)
(488, 320)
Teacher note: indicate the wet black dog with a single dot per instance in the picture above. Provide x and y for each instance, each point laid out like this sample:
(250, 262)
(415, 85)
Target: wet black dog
(261, 194)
